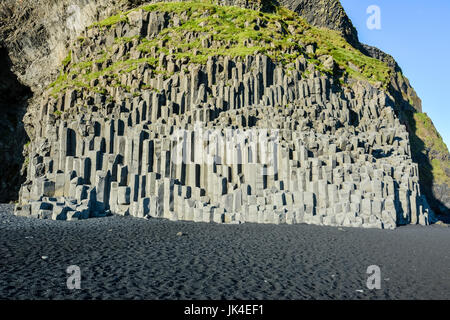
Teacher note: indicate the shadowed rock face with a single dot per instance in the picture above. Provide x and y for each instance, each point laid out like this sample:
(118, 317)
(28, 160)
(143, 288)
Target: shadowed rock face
(36, 35)
(13, 103)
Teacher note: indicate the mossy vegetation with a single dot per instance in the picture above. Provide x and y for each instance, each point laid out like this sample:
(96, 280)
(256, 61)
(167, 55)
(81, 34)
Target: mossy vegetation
(110, 21)
(67, 59)
(206, 29)
(426, 141)
(427, 132)
(81, 74)
(330, 42)
(26, 161)
(240, 32)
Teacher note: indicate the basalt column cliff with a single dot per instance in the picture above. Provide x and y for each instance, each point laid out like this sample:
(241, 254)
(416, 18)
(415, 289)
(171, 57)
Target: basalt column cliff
(206, 112)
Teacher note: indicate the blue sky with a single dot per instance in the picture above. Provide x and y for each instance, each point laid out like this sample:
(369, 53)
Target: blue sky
(417, 34)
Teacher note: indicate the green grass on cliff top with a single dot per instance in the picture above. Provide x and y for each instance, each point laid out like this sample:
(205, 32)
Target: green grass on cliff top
(425, 139)
(284, 29)
(283, 36)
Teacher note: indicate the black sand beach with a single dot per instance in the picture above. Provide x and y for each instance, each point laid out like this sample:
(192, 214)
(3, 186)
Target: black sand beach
(129, 258)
